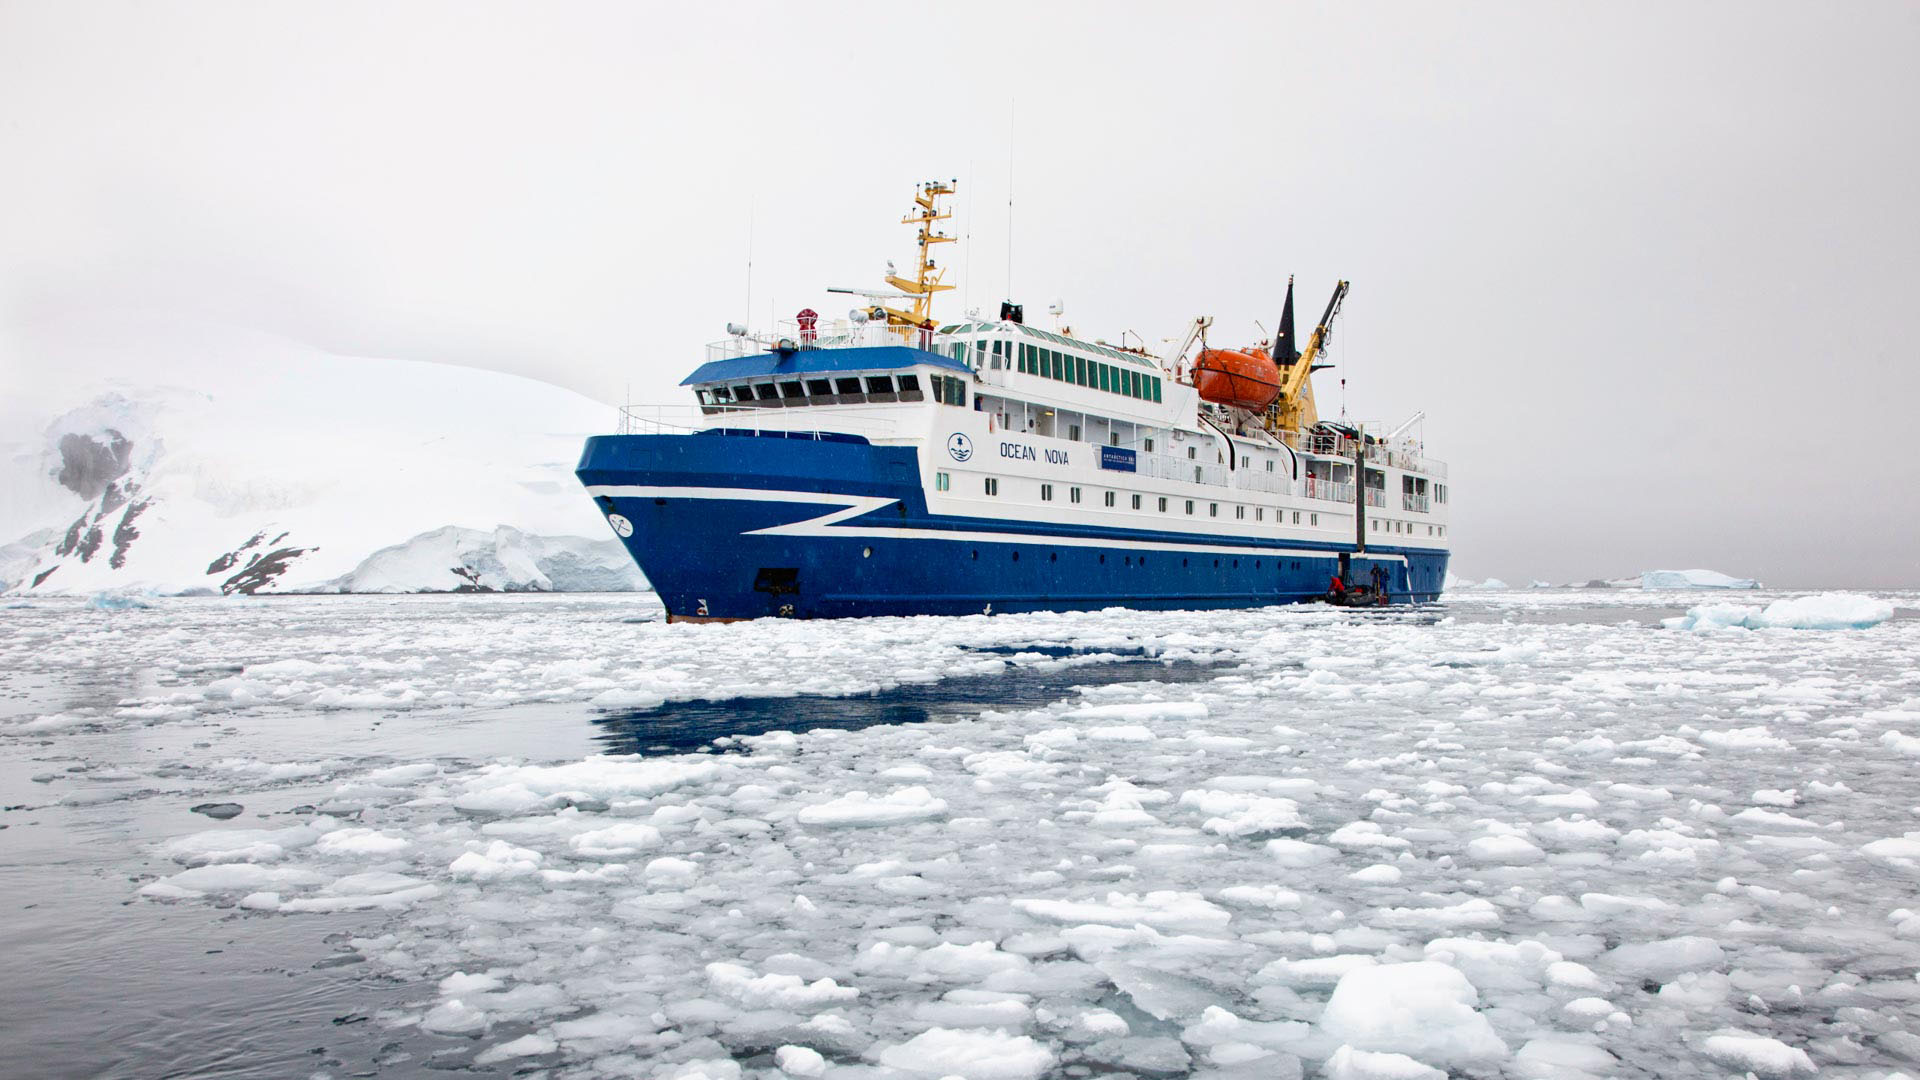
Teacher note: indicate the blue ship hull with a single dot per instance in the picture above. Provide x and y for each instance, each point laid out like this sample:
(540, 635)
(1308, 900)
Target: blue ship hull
(742, 526)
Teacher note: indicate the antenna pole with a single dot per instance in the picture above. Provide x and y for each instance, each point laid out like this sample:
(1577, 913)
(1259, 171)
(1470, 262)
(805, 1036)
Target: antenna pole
(1009, 198)
(749, 307)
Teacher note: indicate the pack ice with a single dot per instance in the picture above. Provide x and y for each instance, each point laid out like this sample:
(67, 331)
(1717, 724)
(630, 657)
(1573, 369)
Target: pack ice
(1401, 844)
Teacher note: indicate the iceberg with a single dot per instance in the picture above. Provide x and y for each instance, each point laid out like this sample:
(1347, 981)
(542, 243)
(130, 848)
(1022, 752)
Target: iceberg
(1823, 611)
(1693, 579)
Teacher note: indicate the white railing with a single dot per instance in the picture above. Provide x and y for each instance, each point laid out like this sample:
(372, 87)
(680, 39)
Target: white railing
(1170, 467)
(797, 423)
(1260, 480)
(1330, 445)
(1410, 501)
(840, 335)
(1376, 497)
(1328, 490)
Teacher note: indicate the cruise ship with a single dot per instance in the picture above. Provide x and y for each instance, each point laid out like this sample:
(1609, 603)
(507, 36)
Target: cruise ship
(886, 463)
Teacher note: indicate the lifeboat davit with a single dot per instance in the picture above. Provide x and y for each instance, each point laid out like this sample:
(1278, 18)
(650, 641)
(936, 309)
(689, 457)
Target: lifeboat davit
(1245, 380)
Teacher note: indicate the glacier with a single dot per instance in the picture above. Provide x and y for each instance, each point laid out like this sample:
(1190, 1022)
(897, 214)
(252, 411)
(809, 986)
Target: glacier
(291, 469)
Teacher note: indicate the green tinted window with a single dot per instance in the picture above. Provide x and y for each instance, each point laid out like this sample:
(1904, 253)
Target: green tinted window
(1133, 384)
(1080, 370)
(1100, 373)
(1156, 389)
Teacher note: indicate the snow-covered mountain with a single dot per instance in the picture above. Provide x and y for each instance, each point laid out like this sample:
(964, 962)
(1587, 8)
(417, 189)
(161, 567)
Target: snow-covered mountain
(299, 470)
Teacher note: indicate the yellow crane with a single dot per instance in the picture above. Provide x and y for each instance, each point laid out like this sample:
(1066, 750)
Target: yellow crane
(1294, 410)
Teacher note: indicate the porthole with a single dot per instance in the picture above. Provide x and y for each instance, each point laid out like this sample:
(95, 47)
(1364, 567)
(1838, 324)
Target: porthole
(1103, 560)
(1183, 562)
(866, 553)
(976, 554)
(1016, 556)
(1053, 556)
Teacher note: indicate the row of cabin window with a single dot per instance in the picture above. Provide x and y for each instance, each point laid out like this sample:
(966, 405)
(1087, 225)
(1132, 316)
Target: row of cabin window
(1406, 527)
(845, 390)
(944, 482)
(1066, 367)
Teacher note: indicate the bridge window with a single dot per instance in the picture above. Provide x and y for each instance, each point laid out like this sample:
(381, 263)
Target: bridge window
(767, 391)
(792, 390)
(847, 387)
(820, 387)
(909, 388)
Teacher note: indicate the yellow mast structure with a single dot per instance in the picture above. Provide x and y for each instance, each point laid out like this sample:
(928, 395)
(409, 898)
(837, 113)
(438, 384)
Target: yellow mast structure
(927, 274)
(1294, 410)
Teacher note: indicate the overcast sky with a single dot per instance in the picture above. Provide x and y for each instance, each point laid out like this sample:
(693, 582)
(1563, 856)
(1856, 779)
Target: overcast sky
(1649, 268)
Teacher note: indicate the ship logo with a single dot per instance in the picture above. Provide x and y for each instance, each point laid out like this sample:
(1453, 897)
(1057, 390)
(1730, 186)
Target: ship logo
(959, 447)
(620, 525)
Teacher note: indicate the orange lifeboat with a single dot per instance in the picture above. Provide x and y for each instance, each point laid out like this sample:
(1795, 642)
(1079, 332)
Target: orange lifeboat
(1245, 380)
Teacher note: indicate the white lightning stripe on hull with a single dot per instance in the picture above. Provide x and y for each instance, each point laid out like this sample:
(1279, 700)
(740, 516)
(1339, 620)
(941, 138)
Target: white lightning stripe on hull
(855, 505)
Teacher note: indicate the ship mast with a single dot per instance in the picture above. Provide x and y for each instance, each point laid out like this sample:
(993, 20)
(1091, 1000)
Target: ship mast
(927, 274)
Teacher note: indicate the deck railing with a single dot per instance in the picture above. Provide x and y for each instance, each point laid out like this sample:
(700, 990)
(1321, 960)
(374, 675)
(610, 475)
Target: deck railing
(840, 335)
(1410, 501)
(795, 423)
(1328, 490)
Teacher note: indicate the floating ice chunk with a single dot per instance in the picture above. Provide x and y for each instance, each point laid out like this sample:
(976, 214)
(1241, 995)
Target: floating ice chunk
(1575, 834)
(800, 1061)
(1746, 738)
(516, 789)
(499, 860)
(1350, 1064)
(1363, 836)
(1665, 959)
(1763, 1056)
(357, 841)
(1572, 976)
(361, 892)
(1609, 904)
(1240, 814)
(1271, 897)
(238, 845)
(1558, 1057)
(1121, 733)
(1102, 1023)
(858, 808)
(624, 838)
(1217, 1026)
(525, 1046)
(1900, 744)
(1504, 851)
(671, 871)
(1142, 710)
(775, 991)
(1899, 851)
(1165, 910)
(1314, 971)
(1474, 913)
(1496, 965)
(227, 878)
(1377, 874)
(455, 1017)
(991, 1054)
(1423, 1009)
(1588, 1010)
(1299, 854)
(1774, 797)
